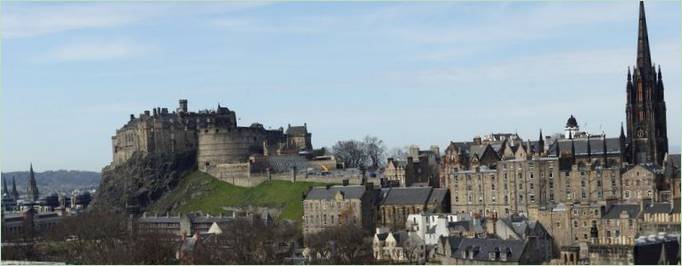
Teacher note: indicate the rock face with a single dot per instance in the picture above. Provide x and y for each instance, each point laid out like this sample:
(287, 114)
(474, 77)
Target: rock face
(142, 179)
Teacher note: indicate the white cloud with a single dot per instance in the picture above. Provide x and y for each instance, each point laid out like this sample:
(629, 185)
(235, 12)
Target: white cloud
(23, 20)
(99, 50)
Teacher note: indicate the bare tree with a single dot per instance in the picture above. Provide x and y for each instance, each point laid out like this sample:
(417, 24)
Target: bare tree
(414, 249)
(398, 153)
(343, 244)
(375, 149)
(351, 152)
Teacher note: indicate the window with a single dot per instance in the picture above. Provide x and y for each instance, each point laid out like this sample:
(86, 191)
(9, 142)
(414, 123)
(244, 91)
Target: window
(627, 194)
(532, 197)
(575, 223)
(532, 186)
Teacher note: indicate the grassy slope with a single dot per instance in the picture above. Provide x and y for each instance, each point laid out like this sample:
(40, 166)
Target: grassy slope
(200, 191)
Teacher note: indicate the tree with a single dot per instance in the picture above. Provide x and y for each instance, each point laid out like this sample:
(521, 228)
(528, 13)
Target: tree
(351, 152)
(370, 152)
(374, 148)
(398, 153)
(343, 244)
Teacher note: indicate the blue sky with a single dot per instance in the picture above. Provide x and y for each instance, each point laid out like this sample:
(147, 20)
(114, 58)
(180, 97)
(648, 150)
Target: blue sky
(409, 73)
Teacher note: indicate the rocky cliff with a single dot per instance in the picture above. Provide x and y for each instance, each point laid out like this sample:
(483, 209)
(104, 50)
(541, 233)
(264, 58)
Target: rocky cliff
(143, 179)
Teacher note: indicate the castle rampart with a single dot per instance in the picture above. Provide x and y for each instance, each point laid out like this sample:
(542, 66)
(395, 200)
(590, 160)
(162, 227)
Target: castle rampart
(223, 149)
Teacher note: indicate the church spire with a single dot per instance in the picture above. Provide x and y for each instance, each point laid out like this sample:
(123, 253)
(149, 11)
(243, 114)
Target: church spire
(4, 187)
(541, 144)
(32, 188)
(643, 52)
(15, 193)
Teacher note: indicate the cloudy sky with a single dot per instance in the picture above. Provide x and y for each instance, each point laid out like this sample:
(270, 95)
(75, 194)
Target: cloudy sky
(409, 73)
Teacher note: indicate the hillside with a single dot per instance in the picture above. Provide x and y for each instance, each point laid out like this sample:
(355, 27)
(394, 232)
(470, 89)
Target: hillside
(202, 192)
(54, 181)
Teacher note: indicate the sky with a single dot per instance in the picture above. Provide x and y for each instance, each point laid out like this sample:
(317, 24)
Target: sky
(408, 73)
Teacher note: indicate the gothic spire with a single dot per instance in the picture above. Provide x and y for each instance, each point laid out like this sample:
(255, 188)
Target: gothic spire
(32, 188)
(643, 52)
(15, 193)
(4, 187)
(541, 144)
(622, 132)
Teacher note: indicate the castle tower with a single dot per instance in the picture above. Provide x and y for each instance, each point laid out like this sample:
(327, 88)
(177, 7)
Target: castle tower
(32, 188)
(647, 138)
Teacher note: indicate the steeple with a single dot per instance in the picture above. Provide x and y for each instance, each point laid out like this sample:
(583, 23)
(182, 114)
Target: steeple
(15, 193)
(32, 188)
(541, 144)
(4, 187)
(622, 131)
(643, 52)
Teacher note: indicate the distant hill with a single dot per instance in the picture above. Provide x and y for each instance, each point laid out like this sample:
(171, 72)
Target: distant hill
(54, 181)
(202, 192)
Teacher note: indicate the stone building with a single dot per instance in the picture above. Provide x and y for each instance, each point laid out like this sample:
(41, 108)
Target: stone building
(329, 206)
(420, 166)
(180, 225)
(490, 251)
(222, 147)
(619, 225)
(398, 203)
(639, 182)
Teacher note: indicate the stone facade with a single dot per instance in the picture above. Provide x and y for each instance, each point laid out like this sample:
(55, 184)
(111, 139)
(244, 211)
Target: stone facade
(221, 146)
(398, 203)
(326, 207)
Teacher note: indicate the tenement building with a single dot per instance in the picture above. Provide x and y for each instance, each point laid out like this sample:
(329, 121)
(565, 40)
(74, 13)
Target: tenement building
(586, 188)
(330, 206)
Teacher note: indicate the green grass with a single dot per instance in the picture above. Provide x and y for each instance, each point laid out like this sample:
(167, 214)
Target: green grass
(201, 192)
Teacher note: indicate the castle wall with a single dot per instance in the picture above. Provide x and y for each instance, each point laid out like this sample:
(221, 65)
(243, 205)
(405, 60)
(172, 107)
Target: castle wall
(229, 145)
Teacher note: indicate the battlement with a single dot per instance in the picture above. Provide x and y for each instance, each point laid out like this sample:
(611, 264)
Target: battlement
(212, 134)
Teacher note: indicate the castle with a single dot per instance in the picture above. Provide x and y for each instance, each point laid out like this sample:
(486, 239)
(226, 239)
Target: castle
(221, 146)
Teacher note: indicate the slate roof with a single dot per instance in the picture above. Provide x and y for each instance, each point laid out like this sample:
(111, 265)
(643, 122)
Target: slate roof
(324, 193)
(614, 212)
(485, 246)
(596, 146)
(438, 195)
(675, 160)
(477, 149)
(660, 207)
(297, 130)
(407, 196)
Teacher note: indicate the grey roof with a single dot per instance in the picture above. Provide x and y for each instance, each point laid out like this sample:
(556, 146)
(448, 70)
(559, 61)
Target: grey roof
(159, 219)
(660, 207)
(477, 149)
(324, 193)
(675, 160)
(297, 130)
(382, 236)
(614, 212)
(482, 247)
(596, 146)
(460, 225)
(407, 195)
(438, 195)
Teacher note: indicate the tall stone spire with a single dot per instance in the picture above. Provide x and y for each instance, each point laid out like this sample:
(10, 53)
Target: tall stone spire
(15, 193)
(4, 187)
(643, 52)
(541, 144)
(32, 188)
(647, 138)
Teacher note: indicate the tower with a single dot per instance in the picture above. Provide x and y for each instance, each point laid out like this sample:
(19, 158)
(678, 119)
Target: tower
(15, 193)
(32, 188)
(4, 187)
(647, 137)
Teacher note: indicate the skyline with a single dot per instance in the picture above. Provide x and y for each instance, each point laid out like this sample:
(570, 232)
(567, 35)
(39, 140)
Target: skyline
(380, 54)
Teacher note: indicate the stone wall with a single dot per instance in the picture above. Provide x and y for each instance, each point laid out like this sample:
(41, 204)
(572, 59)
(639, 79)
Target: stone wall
(232, 145)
